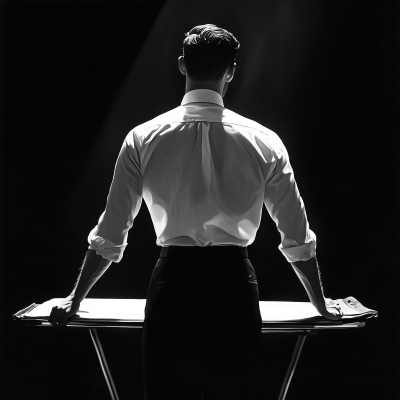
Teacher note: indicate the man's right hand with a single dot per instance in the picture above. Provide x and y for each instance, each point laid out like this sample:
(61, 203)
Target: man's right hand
(331, 313)
(63, 311)
(331, 309)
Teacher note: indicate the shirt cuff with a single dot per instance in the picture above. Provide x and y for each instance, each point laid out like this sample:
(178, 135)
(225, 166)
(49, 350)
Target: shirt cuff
(298, 252)
(105, 248)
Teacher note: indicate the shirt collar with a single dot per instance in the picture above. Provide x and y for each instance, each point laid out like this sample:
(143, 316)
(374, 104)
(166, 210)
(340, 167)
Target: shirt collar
(202, 96)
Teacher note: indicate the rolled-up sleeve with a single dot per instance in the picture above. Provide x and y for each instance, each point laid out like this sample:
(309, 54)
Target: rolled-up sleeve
(285, 206)
(109, 237)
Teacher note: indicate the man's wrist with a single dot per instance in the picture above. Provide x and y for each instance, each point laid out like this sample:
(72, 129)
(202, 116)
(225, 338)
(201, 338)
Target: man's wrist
(72, 297)
(319, 304)
(92, 269)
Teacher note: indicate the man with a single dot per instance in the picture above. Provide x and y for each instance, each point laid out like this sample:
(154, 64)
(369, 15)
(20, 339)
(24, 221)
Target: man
(205, 173)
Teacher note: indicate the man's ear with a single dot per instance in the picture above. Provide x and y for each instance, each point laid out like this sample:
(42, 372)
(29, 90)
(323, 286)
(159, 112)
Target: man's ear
(181, 65)
(231, 73)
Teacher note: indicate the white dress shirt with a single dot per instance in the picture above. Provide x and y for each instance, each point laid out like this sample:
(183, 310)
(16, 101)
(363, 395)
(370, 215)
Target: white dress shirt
(205, 173)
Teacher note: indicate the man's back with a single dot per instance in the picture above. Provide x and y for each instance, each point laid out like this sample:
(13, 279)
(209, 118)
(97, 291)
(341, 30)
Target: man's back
(205, 173)
(204, 170)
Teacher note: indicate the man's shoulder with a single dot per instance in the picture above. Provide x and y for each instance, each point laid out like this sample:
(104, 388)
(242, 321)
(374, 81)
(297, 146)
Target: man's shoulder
(261, 133)
(237, 119)
(143, 129)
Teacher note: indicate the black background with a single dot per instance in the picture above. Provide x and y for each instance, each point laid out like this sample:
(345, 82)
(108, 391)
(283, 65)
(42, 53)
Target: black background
(76, 76)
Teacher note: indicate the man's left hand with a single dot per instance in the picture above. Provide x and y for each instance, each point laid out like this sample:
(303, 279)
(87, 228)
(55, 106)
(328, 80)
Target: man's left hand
(63, 311)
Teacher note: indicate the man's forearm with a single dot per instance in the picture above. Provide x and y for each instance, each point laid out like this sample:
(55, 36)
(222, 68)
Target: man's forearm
(93, 267)
(309, 275)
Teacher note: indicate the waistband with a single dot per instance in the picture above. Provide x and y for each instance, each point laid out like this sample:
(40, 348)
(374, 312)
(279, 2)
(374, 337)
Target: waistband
(197, 251)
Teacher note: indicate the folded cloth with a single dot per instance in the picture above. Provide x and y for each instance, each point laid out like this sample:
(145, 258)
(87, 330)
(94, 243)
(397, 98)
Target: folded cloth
(350, 307)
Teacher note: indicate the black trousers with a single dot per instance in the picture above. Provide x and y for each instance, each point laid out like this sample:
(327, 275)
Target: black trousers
(202, 330)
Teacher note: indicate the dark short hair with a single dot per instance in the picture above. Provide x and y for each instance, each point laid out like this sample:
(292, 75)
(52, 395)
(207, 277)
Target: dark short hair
(208, 52)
